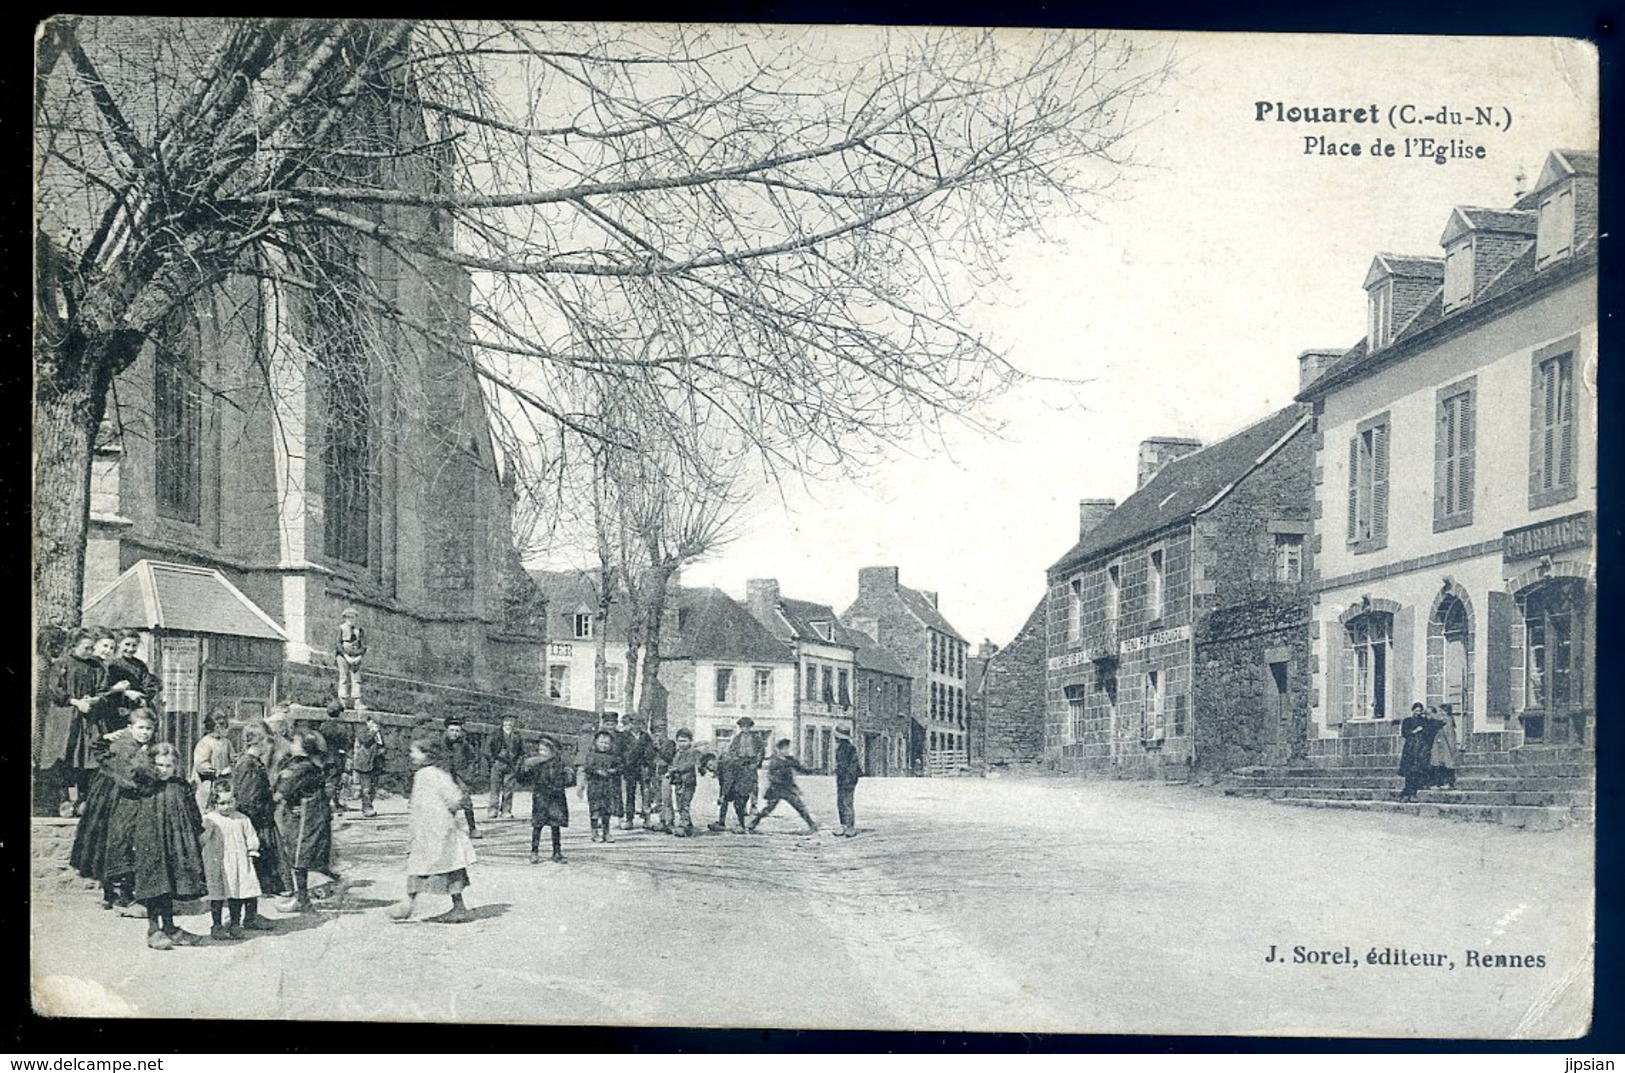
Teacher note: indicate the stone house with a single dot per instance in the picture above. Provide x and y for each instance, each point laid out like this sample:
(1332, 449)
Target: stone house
(570, 655)
(1455, 483)
(718, 663)
(1010, 702)
(1177, 626)
(907, 624)
(883, 708)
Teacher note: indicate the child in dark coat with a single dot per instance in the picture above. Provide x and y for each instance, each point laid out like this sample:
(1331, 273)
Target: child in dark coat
(736, 784)
(602, 768)
(303, 817)
(683, 777)
(103, 846)
(549, 776)
(255, 799)
(168, 853)
(781, 786)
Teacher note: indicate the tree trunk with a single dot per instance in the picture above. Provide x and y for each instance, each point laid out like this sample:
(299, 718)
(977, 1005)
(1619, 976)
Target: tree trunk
(70, 398)
(600, 646)
(654, 613)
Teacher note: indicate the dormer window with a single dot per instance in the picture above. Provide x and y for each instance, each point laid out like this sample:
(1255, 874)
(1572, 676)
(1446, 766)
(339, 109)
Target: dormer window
(582, 625)
(1554, 238)
(1382, 317)
(821, 628)
(1458, 276)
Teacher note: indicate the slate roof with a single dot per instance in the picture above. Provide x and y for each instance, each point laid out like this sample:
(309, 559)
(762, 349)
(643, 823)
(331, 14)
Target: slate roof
(570, 591)
(872, 657)
(1184, 487)
(1514, 281)
(1412, 266)
(801, 614)
(172, 596)
(712, 625)
(922, 609)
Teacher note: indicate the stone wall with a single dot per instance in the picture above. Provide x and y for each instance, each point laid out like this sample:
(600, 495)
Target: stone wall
(1011, 704)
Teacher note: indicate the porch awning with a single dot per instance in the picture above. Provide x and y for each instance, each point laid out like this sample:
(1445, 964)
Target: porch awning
(171, 596)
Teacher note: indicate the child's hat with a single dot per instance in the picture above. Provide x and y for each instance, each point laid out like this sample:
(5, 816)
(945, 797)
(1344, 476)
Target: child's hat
(685, 733)
(454, 720)
(550, 741)
(745, 721)
(842, 732)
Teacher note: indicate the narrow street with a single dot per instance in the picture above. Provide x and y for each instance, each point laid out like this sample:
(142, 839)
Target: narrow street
(1037, 904)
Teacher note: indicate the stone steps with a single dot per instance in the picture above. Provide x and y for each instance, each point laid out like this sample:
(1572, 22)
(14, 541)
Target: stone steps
(1495, 798)
(1529, 817)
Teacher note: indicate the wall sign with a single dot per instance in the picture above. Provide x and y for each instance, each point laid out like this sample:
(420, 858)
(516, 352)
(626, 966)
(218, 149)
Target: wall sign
(1161, 637)
(1559, 534)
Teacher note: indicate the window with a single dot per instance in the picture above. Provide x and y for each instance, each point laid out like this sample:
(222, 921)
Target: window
(1289, 557)
(1076, 709)
(722, 735)
(827, 681)
(1450, 658)
(934, 705)
(612, 685)
(821, 628)
(1153, 583)
(178, 421)
(1370, 638)
(1368, 486)
(1453, 449)
(1554, 616)
(583, 625)
(1551, 448)
(558, 683)
(339, 351)
(1114, 590)
(761, 688)
(1554, 233)
(936, 649)
(1106, 688)
(1153, 705)
(844, 696)
(727, 688)
(1458, 275)
(812, 682)
(1382, 308)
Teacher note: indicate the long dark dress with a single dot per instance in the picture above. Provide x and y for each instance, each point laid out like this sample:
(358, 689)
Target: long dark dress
(68, 736)
(1417, 732)
(303, 816)
(253, 788)
(168, 847)
(103, 842)
(548, 780)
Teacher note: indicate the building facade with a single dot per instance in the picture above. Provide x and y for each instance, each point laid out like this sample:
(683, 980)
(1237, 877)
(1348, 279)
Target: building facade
(569, 659)
(882, 710)
(1456, 483)
(275, 446)
(1192, 588)
(1010, 703)
(720, 664)
(907, 624)
(826, 668)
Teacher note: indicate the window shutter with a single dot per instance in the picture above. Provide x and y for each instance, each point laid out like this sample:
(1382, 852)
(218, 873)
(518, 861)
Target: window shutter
(1564, 464)
(1498, 661)
(1354, 487)
(1334, 664)
(1402, 658)
(1537, 409)
(1441, 463)
(1466, 445)
(1379, 483)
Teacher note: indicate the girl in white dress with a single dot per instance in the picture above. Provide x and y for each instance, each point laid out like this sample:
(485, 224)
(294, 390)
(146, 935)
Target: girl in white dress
(229, 848)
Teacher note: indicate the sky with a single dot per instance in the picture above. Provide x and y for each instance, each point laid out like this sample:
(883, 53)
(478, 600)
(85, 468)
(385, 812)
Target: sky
(1181, 305)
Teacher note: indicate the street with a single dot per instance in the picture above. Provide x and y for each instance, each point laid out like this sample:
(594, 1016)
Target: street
(1017, 903)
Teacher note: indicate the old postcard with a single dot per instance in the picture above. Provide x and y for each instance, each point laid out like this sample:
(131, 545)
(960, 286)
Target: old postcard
(864, 528)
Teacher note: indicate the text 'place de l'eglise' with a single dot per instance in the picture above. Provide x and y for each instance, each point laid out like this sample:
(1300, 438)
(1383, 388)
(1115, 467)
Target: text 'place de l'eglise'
(1265, 610)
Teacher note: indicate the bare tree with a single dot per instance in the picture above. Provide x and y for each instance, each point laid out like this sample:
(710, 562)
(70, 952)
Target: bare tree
(776, 226)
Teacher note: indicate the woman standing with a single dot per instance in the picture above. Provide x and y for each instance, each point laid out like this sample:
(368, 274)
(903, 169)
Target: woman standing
(1416, 732)
(1445, 755)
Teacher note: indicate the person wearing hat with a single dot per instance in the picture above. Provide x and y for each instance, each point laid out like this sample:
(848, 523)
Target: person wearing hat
(847, 774)
(749, 749)
(629, 747)
(304, 821)
(503, 752)
(251, 781)
(682, 779)
(350, 648)
(462, 764)
(602, 769)
(548, 775)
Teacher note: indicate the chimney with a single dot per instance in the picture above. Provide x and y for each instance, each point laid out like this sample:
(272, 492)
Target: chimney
(1159, 451)
(877, 581)
(930, 597)
(762, 598)
(1091, 512)
(1311, 363)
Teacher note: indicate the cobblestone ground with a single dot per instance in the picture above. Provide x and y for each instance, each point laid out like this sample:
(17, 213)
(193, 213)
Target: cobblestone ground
(1035, 904)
